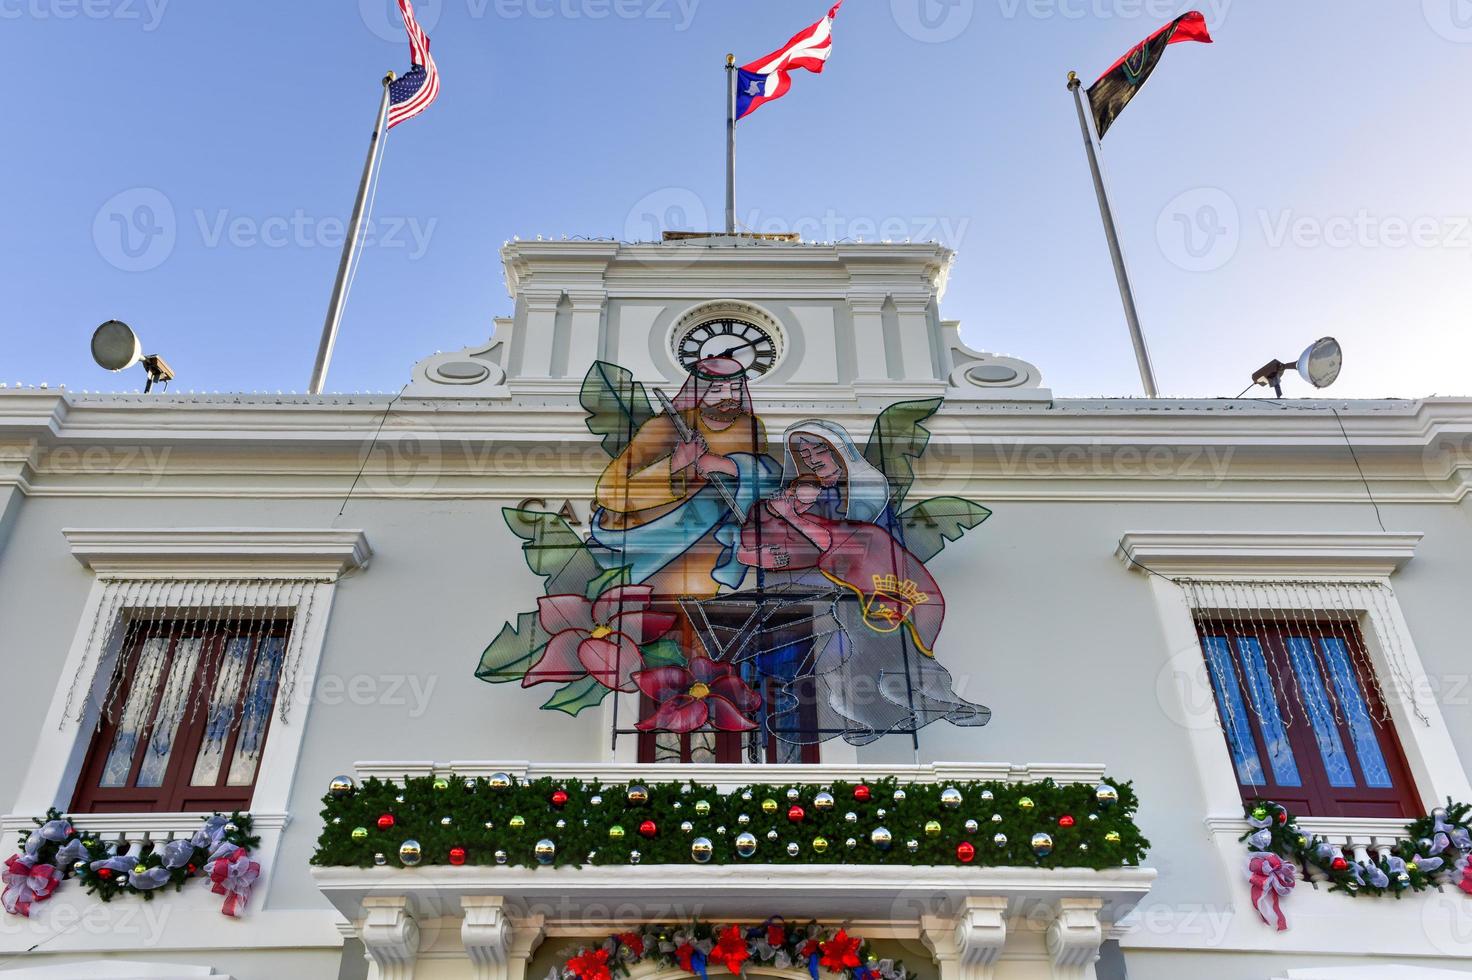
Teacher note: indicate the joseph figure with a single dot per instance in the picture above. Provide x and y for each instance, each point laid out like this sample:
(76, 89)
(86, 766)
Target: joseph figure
(658, 512)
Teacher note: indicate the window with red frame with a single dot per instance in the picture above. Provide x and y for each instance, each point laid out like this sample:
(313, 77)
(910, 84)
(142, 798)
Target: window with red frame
(1304, 719)
(185, 723)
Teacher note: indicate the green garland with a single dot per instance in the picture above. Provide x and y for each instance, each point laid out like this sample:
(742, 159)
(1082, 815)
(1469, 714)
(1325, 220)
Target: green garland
(1090, 827)
(106, 882)
(1412, 865)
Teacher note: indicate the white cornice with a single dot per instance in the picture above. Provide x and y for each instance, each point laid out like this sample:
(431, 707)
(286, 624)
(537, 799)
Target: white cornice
(219, 551)
(1373, 553)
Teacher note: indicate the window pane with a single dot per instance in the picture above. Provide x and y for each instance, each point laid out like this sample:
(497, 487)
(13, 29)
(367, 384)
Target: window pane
(171, 710)
(1320, 712)
(260, 694)
(135, 712)
(1265, 699)
(1234, 712)
(1361, 728)
(211, 757)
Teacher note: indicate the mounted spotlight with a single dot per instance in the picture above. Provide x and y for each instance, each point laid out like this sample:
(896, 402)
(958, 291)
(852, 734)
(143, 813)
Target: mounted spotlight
(116, 347)
(1319, 366)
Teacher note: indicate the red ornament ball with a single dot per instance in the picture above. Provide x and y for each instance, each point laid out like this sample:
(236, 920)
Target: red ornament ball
(559, 798)
(1065, 821)
(1282, 815)
(386, 821)
(965, 852)
(191, 868)
(1339, 864)
(457, 856)
(795, 813)
(104, 872)
(861, 793)
(648, 829)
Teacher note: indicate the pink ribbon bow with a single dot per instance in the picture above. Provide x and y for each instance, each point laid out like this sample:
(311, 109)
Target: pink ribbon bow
(232, 873)
(1271, 878)
(27, 882)
(1465, 865)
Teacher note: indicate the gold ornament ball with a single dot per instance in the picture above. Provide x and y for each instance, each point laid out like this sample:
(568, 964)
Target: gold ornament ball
(138, 869)
(409, 853)
(1113, 837)
(932, 828)
(360, 833)
(769, 806)
(1026, 803)
(441, 783)
(518, 822)
(702, 808)
(820, 844)
(616, 832)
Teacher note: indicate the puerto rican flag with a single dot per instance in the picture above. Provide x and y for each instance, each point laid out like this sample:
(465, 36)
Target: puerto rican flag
(769, 78)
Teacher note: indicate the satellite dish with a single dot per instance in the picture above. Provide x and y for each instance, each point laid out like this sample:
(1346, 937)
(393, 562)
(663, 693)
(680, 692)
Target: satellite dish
(115, 346)
(1321, 363)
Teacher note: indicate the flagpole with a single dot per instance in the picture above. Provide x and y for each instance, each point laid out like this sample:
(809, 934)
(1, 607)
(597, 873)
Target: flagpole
(350, 247)
(731, 76)
(1126, 294)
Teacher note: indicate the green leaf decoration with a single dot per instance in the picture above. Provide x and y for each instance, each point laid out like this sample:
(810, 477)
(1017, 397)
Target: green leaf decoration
(926, 527)
(553, 550)
(899, 437)
(663, 653)
(617, 405)
(512, 653)
(576, 696)
(610, 579)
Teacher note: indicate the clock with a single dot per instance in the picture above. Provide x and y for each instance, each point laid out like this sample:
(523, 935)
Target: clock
(742, 340)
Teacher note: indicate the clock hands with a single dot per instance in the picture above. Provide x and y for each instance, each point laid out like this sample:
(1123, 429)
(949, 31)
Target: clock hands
(750, 343)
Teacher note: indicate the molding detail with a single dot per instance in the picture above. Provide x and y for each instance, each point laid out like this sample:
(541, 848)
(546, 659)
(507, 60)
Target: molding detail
(391, 936)
(1074, 938)
(1371, 553)
(178, 552)
(968, 946)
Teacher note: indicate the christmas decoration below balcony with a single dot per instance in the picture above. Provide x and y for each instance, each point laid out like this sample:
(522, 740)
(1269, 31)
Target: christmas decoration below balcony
(1436, 851)
(57, 851)
(695, 947)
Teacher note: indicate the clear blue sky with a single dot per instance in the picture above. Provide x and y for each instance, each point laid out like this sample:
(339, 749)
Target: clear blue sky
(1318, 154)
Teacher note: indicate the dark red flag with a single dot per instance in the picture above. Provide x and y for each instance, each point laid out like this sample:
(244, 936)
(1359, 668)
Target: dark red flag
(1114, 89)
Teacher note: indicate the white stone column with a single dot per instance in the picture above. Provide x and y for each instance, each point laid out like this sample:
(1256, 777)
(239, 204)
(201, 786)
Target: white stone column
(538, 333)
(390, 937)
(915, 338)
(967, 946)
(15, 475)
(586, 328)
(1074, 938)
(868, 316)
(499, 948)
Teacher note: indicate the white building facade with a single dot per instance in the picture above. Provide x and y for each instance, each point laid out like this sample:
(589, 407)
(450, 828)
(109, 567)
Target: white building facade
(1218, 601)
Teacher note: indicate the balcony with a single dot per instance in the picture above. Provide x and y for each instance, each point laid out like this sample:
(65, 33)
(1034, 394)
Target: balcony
(923, 894)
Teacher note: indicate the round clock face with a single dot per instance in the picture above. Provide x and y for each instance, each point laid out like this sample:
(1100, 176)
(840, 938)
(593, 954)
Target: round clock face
(746, 342)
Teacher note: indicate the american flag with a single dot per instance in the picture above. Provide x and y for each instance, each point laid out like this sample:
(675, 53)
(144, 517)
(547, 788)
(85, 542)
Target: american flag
(768, 79)
(411, 93)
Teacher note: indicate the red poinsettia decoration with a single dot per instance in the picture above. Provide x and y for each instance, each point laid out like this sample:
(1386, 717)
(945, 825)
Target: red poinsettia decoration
(840, 953)
(730, 949)
(689, 698)
(683, 954)
(600, 638)
(632, 942)
(810, 948)
(776, 933)
(591, 965)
